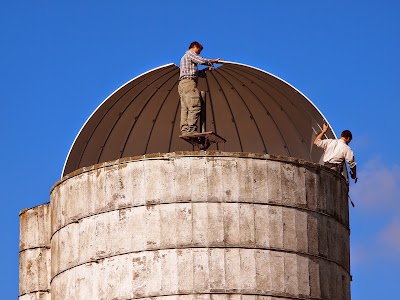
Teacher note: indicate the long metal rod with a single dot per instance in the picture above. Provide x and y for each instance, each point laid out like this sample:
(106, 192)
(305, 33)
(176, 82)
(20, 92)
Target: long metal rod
(203, 111)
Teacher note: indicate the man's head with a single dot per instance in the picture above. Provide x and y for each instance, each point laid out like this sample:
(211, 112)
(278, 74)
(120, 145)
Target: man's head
(346, 136)
(196, 47)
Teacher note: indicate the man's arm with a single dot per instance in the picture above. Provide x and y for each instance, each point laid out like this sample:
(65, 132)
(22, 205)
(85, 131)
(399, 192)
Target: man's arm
(353, 172)
(213, 61)
(210, 62)
(201, 60)
(197, 58)
(352, 164)
(319, 136)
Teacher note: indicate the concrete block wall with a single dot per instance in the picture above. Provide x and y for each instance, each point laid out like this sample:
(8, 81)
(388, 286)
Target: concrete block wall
(200, 225)
(34, 254)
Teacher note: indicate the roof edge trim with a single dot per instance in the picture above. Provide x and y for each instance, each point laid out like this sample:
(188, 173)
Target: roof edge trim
(87, 120)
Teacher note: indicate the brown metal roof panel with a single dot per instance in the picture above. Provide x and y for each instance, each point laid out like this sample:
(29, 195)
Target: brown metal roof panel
(140, 131)
(251, 139)
(120, 129)
(157, 113)
(113, 128)
(84, 137)
(72, 161)
(290, 91)
(263, 123)
(106, 127)
(258, 109)
(299, 116)
(274, 101)
(225, 125)
(166, 126)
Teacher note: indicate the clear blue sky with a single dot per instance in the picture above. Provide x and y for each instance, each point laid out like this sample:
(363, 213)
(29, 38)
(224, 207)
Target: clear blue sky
(60, 59)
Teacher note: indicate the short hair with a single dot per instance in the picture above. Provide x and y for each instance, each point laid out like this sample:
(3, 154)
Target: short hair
(197, 44)
(346, 134)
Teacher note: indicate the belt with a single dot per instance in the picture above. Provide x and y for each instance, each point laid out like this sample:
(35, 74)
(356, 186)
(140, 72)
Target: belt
(328, 164)
(187, 78)
(331, 164)
(337, 167)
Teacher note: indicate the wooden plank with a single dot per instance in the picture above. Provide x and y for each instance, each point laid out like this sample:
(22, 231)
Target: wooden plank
(202, 140)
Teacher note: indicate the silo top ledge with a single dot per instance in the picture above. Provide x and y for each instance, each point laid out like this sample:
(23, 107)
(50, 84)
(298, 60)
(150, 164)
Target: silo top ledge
(30, 208)
(200, 153)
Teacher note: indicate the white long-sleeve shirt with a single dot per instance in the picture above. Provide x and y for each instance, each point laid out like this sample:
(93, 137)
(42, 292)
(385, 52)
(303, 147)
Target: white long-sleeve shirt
(336, 152)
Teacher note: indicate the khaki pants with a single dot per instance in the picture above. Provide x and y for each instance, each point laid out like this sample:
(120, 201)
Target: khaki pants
(190, 105)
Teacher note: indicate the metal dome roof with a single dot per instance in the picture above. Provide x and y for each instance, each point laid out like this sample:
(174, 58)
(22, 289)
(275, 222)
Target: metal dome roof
(253, 110)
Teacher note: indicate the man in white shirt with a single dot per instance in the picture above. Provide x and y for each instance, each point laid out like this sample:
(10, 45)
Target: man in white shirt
(337, 151)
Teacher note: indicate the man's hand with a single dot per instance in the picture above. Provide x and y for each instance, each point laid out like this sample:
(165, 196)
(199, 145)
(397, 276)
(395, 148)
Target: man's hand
(321, 134)
(325, 127)
(353, 176)
(213, 61)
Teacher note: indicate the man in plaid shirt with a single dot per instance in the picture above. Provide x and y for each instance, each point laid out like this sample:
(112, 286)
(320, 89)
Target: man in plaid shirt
(187, 88)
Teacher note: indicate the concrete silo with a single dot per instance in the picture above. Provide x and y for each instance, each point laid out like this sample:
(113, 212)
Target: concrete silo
(34, 255)
(140, 213)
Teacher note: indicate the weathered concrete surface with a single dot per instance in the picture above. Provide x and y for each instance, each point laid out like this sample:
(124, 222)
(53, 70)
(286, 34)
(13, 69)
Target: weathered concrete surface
(182, 226)
(36, 296)
(34, 255)
(197, 271)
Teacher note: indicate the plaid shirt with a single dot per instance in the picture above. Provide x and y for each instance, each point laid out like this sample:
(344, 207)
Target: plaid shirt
(189, 63)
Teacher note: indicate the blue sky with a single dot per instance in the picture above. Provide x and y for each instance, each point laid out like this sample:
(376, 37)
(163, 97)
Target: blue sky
(60, 59)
